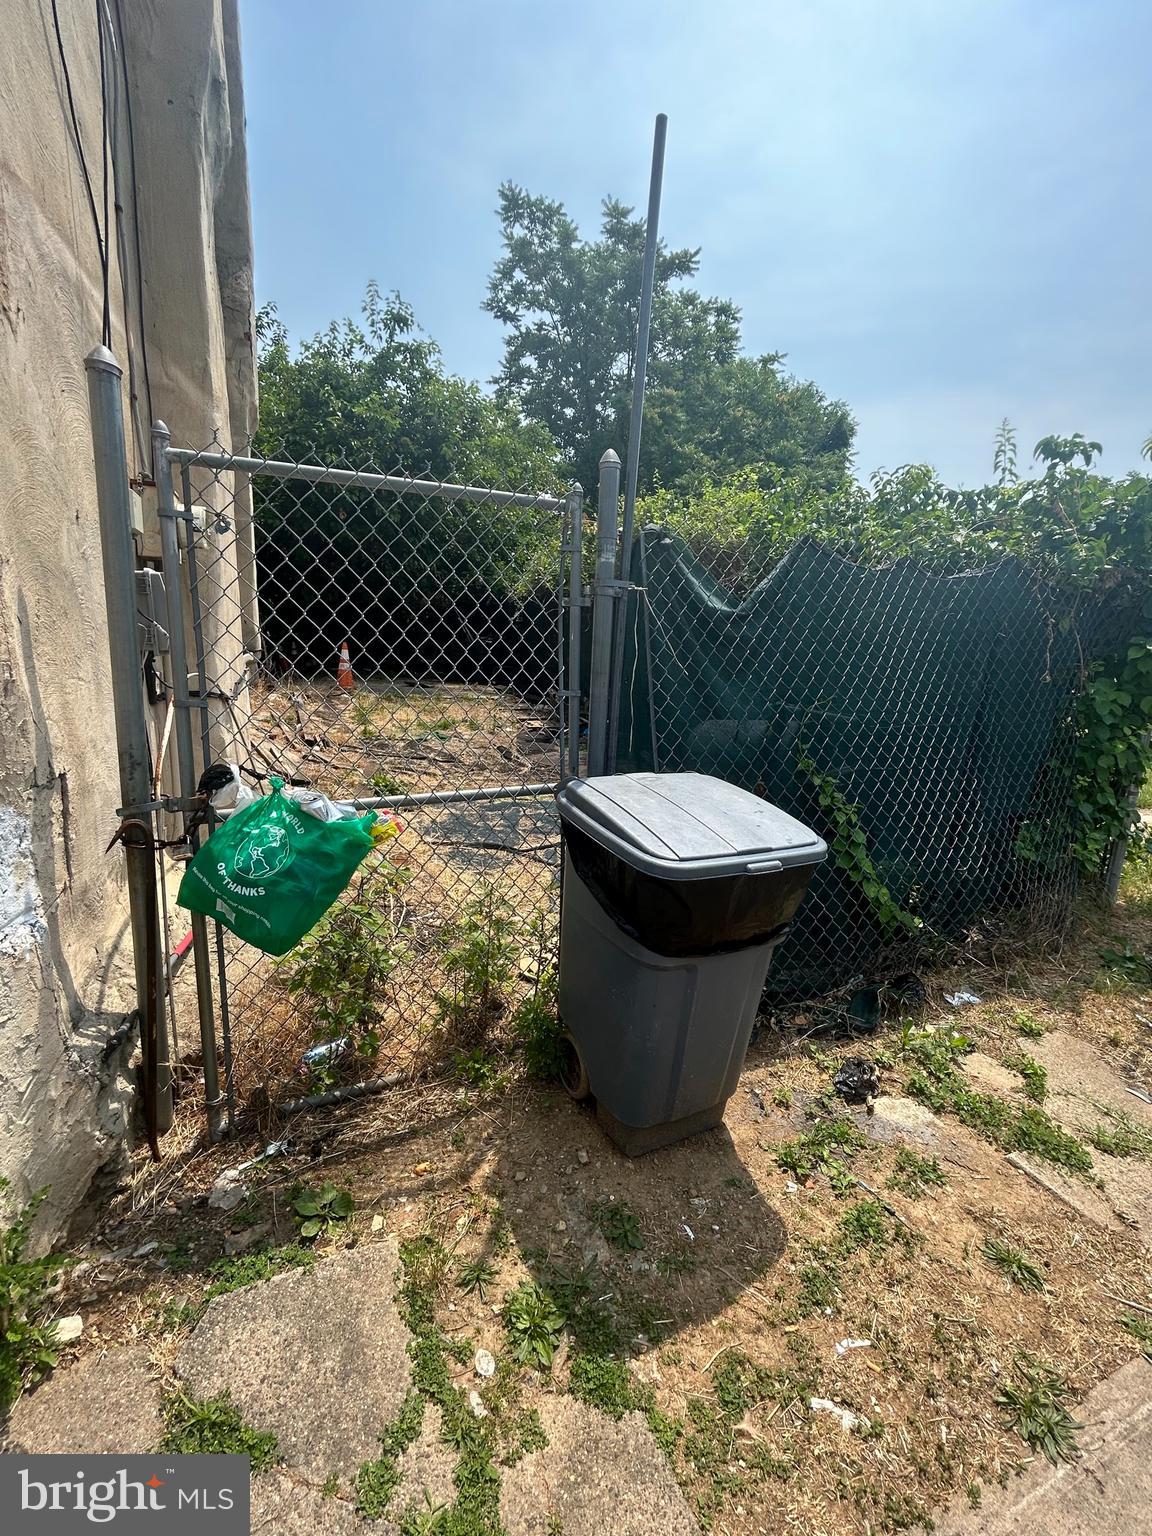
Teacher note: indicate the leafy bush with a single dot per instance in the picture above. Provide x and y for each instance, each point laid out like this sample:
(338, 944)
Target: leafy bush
(27, 1341)
(340, 969)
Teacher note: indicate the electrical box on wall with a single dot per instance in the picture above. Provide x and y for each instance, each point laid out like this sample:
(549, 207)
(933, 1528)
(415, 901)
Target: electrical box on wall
(151, 612)
(146, 523)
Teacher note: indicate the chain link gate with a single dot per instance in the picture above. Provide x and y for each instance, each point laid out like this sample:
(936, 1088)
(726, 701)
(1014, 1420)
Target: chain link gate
(461, 609)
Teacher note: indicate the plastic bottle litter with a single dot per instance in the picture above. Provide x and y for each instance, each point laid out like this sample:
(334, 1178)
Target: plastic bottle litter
(327, 1054)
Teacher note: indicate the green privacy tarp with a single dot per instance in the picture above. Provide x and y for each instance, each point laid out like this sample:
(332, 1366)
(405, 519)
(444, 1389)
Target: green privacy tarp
(942, 707)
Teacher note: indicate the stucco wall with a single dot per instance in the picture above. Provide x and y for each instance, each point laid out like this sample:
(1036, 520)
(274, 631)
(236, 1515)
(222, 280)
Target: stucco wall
(64, 945)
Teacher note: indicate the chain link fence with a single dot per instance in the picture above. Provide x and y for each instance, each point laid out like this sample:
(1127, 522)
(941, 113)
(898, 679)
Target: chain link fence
(922, 717)
(455, 605)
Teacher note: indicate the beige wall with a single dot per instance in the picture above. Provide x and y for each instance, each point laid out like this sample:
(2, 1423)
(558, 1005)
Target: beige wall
(63, 932)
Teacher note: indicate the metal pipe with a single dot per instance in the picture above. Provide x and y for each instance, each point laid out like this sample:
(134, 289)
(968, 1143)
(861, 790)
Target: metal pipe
(454, 797)
(636, 420)
(119, 562)
(319, 474)
(204, 961)
(605, 591)
(575, 623)
(342, 1095)
(186, 752)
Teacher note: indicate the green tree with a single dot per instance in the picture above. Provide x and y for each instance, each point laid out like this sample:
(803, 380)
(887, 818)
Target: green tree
(571, 309)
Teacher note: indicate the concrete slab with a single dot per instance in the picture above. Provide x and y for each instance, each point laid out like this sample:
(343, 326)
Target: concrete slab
(283, 1507)
(593, 1476)
(317, 1356)
(1108, 1489)
(102, 1405)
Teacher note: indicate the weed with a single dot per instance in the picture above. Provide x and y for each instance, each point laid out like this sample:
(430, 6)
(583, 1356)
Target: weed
(330, 1487)
(1013, 1263)
(605, 1382)
(819, 1149)
(521, 1433)
(322, 1212)
(975, 1495)
(1122, 1137)
(213, 1426)
(385, 784)
(819, 1288)
(1028, 1025)
(28, 1341)
(914, 1174)
(617, 1224)
(340, 970)
(1035, 1076)
(479, 1068)
(476, 1276)
(233, 1274)
(378, 1480)
(535, 1022)
(936, 1082)
(1036, 1408)
(782, 1098)
(533, 1323)
(666, 1430)
(1125, 966)
(865, 1225)
(1141, 1330)
(478, 956)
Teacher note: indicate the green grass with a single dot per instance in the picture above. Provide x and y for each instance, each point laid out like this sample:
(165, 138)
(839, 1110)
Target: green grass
(1014, 1264)
(213, 1427)
(378, 1480)
(866, 1224)
(915, 1175)
(819, 1287)
(1034, 1075)
(1121, 1137)
(825, 1149)
(1140, 1328)
(606, 1383)
(475, 1277)
(1035, 1406)
(233, 1274)
(936, 1082)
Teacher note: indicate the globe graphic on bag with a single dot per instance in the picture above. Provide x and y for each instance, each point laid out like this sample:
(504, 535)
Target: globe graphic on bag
(263, 852)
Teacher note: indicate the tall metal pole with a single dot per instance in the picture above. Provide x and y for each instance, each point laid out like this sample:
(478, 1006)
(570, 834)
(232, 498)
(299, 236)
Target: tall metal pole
(575, 520)
(636, 420)
(605, 592)
(119, 560)
(186, 750)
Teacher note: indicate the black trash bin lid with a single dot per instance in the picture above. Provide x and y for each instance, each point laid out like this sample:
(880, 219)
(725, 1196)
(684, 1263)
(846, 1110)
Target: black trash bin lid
(687, 826)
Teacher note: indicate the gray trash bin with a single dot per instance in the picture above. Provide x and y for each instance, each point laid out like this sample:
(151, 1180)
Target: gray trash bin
(677, 888)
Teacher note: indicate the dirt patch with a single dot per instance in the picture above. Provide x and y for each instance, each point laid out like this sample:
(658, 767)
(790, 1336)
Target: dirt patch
(738, 1277)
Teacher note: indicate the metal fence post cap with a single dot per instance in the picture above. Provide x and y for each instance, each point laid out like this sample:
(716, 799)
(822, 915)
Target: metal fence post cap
(100, 358)
(609, 456)
(160, 429)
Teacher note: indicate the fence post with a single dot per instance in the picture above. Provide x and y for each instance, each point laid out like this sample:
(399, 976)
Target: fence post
(113, 497)
(575, 517)
(185, 749)
(605, 596)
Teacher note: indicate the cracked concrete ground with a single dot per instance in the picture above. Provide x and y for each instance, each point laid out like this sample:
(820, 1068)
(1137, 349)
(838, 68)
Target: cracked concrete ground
(319, 1357)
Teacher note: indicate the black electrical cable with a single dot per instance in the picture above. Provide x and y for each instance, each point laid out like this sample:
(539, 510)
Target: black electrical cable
(80, 149)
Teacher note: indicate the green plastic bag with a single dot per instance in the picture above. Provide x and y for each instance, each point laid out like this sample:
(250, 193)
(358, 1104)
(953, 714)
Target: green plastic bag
(271, 871)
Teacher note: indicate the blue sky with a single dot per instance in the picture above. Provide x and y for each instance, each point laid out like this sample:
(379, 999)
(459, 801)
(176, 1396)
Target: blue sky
(939, 209)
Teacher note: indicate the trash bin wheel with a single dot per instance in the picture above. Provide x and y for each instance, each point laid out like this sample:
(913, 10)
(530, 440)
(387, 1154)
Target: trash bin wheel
(573, 1073)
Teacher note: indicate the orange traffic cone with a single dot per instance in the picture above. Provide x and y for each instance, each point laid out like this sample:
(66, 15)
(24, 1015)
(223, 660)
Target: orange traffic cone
(344, 677)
